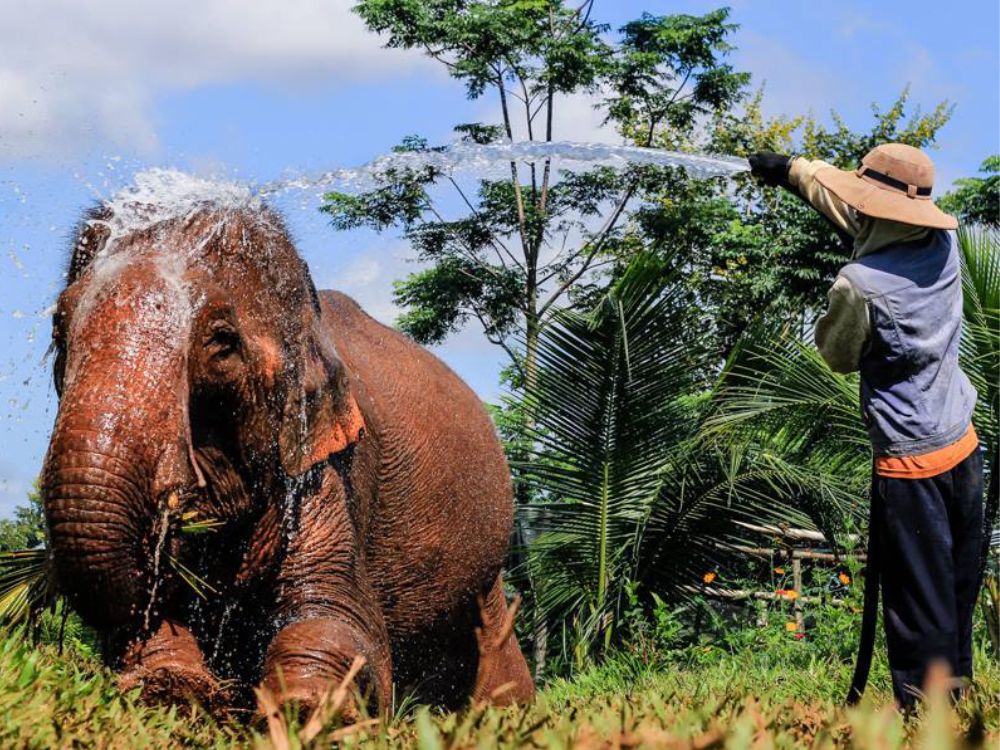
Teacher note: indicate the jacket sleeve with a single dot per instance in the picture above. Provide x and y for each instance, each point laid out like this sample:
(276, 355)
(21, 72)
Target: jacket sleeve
(844, 329)
(802, 176)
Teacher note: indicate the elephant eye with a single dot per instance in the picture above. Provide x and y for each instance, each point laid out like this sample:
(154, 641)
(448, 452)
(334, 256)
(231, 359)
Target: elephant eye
(222, 341)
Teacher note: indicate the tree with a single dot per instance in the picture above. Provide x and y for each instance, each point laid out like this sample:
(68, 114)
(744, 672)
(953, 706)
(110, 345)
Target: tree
(522, 247)
(976, 200)
(26, 529)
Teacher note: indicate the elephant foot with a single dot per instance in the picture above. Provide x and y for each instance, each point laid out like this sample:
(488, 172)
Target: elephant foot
(314, 664)
(170, 668)
(502, 677)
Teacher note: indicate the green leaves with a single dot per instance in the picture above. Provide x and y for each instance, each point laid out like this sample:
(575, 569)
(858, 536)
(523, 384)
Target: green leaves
(401, 200)
(976, 200)
(980, 345)
(440, 299)
(481, 43)
(26, 529)
(608, 407)
(658, 57)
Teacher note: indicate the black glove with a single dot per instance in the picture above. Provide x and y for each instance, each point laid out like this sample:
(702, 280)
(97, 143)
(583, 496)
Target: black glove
(770, 168)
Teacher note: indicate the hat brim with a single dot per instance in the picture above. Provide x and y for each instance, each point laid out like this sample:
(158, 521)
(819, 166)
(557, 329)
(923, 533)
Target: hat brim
(881, 203)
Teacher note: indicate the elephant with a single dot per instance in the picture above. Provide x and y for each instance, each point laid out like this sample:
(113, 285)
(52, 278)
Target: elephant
(250, 482)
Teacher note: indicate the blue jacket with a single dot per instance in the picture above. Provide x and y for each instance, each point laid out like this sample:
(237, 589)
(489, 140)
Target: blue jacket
(914, 396)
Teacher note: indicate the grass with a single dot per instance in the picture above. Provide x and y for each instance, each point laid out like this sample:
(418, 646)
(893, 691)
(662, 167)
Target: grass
(701, 697)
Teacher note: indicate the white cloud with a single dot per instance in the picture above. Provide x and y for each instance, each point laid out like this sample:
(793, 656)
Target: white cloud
(793, 84)
(367, 276)
(73, 72)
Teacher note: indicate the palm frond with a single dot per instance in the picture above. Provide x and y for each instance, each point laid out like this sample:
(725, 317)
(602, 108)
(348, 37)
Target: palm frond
(980, 345)
(616, 463)
(26, 584)
(798, 424)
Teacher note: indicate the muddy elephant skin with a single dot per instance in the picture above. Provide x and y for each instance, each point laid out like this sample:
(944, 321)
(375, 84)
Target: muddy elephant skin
(250, 481)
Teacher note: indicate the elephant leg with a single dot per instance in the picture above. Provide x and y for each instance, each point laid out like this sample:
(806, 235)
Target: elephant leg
(502, 676)
(309, 659)
(169, 666)
(331, 614)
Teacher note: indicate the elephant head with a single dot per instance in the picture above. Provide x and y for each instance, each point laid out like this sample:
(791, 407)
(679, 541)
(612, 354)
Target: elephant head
(192, 370)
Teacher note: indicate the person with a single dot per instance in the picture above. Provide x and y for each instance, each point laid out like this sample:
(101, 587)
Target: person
(895, 316)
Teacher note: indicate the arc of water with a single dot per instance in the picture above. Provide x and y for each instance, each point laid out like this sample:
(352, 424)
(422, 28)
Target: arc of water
(482, 157)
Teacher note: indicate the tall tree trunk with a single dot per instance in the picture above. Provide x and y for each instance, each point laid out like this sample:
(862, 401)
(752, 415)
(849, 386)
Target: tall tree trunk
(540, 629)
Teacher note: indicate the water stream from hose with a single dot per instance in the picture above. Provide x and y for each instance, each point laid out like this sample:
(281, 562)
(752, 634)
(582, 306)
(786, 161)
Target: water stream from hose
(158, 194)
(483, 159)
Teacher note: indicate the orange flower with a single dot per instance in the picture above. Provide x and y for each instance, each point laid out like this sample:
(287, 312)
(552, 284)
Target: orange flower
(779, 570)
(709, 577)
(792, 594)
(791, 627)
(844, 578)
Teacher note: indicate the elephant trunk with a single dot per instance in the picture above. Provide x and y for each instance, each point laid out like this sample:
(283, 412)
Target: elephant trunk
(107, 491)
(106, 508)
(97, 520)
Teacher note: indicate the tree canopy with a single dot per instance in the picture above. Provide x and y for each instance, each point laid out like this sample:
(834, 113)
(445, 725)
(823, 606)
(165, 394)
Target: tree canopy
(976, 200)
(518, 248)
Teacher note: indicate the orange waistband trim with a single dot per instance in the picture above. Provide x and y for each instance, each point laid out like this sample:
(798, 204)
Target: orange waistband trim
(929, 464)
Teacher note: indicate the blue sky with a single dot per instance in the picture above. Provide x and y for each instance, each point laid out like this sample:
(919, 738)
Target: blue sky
(92, 92)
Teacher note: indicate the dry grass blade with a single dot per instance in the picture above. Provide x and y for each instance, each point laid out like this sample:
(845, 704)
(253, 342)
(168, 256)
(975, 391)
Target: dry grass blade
(937, 730)
(361, 726)
(331, 703)
(277, 728)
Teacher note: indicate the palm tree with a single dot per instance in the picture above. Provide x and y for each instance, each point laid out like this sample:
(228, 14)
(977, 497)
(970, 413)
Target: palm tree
(627, 496)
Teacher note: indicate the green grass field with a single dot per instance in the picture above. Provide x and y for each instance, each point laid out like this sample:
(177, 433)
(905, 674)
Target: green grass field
(706, 697)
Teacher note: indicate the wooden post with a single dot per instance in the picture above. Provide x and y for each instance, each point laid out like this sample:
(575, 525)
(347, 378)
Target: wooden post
(797, 582)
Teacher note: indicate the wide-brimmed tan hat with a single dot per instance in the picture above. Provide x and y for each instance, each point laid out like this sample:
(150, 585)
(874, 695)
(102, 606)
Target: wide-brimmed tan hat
(893, 182)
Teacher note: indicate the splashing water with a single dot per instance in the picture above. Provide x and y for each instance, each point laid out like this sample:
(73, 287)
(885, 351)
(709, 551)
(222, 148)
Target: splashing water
(484, 158)
(161, 540)
(157, 195)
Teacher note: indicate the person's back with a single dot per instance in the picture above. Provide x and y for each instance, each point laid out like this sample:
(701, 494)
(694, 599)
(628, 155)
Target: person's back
(914, 396)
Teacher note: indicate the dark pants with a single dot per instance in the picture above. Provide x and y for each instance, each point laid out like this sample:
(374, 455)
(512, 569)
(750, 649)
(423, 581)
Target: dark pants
(929, 536)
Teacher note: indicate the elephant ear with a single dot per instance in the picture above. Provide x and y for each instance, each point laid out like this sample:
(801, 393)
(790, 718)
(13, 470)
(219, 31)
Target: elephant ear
(320, 416)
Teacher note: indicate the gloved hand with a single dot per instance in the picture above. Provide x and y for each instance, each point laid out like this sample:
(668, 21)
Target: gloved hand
(771, 168)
